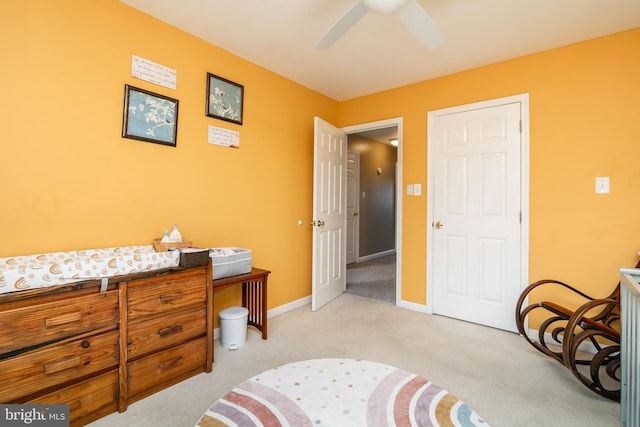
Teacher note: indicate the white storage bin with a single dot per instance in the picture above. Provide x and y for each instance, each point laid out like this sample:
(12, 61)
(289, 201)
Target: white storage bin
(233, 327)
(227, 262)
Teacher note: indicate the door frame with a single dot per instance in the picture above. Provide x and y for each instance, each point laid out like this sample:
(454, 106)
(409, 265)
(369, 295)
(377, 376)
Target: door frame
(379, 125)
(356, 220)
(523, 99)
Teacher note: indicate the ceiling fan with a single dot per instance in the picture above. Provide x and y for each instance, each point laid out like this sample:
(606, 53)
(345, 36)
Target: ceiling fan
(417, 21)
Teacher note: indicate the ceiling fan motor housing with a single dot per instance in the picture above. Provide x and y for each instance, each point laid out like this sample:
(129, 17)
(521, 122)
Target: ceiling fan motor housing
(384, 6)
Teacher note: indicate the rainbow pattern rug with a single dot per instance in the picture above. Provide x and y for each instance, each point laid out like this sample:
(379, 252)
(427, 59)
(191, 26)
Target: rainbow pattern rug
(340, 393)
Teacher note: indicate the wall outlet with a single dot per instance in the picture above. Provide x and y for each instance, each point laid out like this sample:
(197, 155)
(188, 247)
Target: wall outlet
(409, 189)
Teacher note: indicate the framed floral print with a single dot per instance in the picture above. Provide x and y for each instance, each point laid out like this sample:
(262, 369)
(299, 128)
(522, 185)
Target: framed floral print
(149, 116)
(224, 99)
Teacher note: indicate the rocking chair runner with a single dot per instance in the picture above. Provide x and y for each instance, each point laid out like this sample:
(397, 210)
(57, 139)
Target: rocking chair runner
(596, 323)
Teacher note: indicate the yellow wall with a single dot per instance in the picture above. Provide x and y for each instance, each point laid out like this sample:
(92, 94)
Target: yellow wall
(584, 111)
(70, 181)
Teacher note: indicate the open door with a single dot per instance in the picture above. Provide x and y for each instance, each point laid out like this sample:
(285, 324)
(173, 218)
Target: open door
(329, 213)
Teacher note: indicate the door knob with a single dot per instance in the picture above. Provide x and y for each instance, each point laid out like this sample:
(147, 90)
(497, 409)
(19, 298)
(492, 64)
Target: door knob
(438, 225)
(320, 223)
(355, 214)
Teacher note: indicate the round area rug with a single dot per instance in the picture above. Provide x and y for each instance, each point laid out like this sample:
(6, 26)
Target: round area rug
(340, 393)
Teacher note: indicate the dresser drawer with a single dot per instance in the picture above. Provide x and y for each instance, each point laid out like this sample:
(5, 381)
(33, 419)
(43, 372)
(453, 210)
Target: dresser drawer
(56, 364)
(87, 400)
(145, 337)
(156, 296)
(167, 367)
(41, 323)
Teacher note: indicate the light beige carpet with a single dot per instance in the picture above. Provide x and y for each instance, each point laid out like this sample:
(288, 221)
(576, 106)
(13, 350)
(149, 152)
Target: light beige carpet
(496, 373)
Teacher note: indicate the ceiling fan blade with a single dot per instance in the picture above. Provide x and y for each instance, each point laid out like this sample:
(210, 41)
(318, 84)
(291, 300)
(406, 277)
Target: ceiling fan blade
(421, 25)
(342, 25)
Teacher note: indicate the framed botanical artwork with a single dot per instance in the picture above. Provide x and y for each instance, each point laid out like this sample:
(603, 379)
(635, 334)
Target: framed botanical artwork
(224, 99)
(149, 116)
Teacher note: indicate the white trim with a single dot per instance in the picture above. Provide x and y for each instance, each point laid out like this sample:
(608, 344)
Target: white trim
(413, 306)
(376, 255)
(277, 311)
(523, 99)
(584, 346)
(356, 232)
(379, 125)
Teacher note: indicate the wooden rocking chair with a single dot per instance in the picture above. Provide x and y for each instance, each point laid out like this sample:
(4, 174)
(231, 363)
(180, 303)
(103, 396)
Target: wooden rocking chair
(587, 335)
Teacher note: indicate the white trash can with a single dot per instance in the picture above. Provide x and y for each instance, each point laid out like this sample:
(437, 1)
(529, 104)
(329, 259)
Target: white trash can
(233, 327)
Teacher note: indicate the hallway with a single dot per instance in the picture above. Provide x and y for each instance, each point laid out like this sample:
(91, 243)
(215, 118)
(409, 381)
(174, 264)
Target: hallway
(375, 278)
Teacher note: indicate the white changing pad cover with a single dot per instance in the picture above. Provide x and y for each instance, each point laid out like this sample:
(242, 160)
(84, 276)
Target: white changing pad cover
(61, 268)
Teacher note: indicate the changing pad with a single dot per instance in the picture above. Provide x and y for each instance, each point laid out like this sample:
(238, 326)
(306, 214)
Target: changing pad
(61, 268)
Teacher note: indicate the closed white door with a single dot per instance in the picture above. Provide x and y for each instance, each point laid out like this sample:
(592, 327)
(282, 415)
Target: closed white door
(476, 184)
(329, 213)
(353, 168)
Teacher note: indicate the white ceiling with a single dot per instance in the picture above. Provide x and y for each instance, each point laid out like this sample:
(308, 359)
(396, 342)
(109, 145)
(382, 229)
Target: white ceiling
(378, 53)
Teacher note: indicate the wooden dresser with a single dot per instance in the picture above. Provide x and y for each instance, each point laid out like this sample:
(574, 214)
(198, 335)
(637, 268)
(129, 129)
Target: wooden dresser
(100, 346)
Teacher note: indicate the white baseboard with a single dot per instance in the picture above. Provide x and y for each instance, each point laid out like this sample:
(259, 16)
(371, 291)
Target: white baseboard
(587, 347)
(277, 311)
(422, 308)
(376, 255)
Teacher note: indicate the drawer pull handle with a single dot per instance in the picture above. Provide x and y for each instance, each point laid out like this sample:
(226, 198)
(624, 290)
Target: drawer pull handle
(54, 367)
(170, 297)
(62, 319)
(165, 332)
(171, 363)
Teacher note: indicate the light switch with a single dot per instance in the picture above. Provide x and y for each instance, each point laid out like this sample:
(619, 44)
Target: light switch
(417, 189)
(409, 189)
(602, 185)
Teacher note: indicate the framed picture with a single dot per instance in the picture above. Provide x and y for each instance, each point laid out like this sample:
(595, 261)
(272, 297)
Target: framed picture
(149, 117)
(224, 99)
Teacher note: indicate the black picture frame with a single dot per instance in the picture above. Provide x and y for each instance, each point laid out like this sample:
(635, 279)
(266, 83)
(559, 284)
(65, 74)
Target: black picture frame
(149, 116)
(225, 99)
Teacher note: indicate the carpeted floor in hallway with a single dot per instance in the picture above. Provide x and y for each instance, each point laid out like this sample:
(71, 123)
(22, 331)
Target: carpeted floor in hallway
(375, 278)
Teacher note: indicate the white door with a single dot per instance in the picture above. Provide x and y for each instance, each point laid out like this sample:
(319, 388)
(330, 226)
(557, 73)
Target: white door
(329, 213)
(476, 214)
(353, 168)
